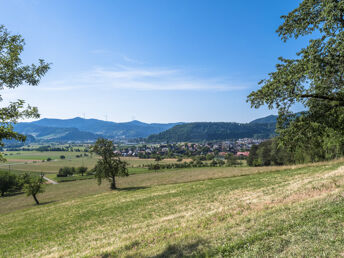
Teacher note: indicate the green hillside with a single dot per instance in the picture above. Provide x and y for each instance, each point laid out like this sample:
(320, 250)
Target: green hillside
(206, 131)
(285, 211)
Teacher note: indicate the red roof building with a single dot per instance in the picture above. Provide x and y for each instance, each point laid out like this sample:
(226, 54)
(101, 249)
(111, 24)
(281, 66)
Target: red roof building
(242, 153)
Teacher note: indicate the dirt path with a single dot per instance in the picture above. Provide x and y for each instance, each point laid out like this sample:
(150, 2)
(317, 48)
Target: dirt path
(50, 181)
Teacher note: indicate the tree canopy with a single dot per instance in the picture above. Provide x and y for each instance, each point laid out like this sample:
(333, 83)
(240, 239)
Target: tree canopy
(315, 78)
(109, 166)
(33, 185)
(12, 75)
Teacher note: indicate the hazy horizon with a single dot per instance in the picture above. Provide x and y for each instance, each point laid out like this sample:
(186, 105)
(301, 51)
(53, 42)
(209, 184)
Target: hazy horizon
(128, 121)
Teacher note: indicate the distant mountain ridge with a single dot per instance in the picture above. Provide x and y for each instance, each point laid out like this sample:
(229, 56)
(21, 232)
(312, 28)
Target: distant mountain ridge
(80, 129)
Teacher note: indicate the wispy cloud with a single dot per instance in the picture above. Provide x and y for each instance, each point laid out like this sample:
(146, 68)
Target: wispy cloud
(160, 79)
(138, 78)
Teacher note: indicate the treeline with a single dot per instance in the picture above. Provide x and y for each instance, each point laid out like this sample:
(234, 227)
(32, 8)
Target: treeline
(206, 131)
(195, 164)
(272, 152)
(47, 148)
(70, 171)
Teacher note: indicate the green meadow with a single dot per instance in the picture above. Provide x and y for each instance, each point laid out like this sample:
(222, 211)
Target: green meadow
(204, 212)
(36, 162)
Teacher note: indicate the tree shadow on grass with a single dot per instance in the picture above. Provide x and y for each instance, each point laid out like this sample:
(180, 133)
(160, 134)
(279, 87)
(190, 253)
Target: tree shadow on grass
(172, 250)
(183, 250)
(9, 194)
(45, 203)
(134, 188)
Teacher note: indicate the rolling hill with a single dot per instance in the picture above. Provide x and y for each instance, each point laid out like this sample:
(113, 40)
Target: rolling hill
(272, 119)
(204, 131)
(79, 129)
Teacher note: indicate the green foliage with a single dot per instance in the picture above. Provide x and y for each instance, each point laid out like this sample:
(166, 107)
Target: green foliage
(210, 156)
(81, 170)
(12, 75)
(273, 153)
(62, 157)
(33, 185)
(231, 160)
(158, 158)
(110, 165)
(8, 182)
(197, 132)
(314, 78)
(66, 171)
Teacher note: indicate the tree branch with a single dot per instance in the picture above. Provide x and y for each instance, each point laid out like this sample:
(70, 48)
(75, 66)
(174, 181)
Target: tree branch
(317, 96)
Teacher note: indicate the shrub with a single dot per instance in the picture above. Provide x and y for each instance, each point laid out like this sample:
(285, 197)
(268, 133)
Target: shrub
(49, 159)
(81, 170)
(62, 157)
(66, 171)
(8, 182)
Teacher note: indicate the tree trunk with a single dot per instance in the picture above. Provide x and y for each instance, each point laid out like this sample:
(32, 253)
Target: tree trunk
(2, 193)
(113, 184)
(34, 197)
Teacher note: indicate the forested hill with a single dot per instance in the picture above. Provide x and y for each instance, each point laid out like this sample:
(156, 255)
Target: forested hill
(207, 131)
(79, 129)
(272, 119)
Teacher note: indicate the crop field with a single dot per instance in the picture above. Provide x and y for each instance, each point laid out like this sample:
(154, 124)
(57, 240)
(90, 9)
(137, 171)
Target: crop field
(284, 211)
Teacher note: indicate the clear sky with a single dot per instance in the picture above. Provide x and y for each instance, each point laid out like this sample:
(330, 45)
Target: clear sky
(151, 60)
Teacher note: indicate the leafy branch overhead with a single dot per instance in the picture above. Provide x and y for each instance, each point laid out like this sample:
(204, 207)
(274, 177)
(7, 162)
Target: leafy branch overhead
(317, 73)
(12, 75)
(315, 79)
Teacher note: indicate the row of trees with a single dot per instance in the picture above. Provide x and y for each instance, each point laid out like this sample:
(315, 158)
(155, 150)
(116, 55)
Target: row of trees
(272, 152)
(195, 164)
(70, 171)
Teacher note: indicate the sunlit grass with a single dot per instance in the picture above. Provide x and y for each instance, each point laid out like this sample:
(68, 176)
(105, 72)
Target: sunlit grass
(295, 211)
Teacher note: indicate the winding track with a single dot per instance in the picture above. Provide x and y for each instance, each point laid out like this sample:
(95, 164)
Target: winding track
(50, 181)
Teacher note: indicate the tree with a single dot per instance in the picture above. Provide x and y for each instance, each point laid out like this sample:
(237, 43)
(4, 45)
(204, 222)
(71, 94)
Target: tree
(158, 158)
(33, 185)
(110, 165)
(82, 170)
(12, 75)
(8, 182)
(66, 171)
(315, 78)
(231, 160)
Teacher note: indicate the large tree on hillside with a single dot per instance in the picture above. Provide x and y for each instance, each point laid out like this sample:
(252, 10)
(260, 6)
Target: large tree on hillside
(109, 166)
(315, 78)
(12, 75)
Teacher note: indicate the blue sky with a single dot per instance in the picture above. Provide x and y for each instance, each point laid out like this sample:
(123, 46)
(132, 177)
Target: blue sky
(152, 60)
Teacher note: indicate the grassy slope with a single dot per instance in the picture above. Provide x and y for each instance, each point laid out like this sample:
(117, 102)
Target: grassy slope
(287, 212)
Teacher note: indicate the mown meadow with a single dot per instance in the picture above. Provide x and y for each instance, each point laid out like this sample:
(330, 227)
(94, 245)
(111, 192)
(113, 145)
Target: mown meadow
(274, 211)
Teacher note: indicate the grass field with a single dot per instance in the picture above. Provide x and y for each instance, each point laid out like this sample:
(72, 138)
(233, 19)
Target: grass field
(31, 161)
(286, 211)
